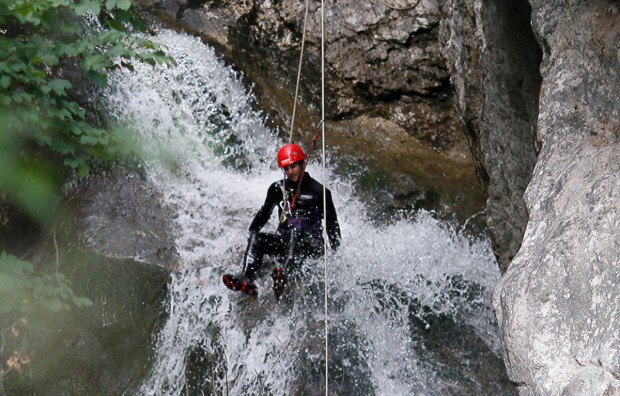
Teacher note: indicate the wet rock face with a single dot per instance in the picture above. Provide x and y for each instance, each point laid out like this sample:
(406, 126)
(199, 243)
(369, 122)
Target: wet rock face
(383, 62)
(382, 58)
(123, 216)
(494, 60)
(557, 303)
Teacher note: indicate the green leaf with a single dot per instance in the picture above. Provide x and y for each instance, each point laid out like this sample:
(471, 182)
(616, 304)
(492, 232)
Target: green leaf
(11, 264)
(111, 36)
(5, 81)
(90, 140)
(82, 302)
(122, 16)
(120, 4)
(47, 59)
(83, 169)
(61, 3)
(59, 86)
(61, 145)
(84, 6)
(55, 304)
(76, 162)
(100, 79)
(114, 24)
(124, 4)
(43, 140)
(138, 25)
(60, 114)
(118, 51)
(76, 110)
(22, 97)
(34, 189)
(70, 50)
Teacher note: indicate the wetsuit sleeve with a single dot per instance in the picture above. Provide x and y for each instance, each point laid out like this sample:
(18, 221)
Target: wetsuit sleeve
(274, 195)
(331, 220)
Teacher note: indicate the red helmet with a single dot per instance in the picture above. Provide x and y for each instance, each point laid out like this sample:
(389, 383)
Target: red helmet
(290, 154)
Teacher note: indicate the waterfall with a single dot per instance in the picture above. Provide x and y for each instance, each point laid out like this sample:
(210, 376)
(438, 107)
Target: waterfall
(394, 289)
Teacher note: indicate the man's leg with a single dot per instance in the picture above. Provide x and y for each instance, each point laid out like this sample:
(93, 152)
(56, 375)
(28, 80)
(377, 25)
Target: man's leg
(253, 258)
(293, 259)
(302, 244)
(259, 244)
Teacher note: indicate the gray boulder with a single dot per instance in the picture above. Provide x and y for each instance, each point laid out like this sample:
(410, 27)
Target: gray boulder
(557, 304)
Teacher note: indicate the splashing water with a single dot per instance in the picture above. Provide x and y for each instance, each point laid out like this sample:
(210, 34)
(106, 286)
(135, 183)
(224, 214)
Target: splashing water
(390, 286)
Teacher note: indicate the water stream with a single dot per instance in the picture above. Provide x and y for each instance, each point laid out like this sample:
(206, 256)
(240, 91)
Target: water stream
(409, 300)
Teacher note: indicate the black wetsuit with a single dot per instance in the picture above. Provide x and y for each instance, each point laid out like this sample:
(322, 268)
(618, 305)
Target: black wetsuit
(300, 235)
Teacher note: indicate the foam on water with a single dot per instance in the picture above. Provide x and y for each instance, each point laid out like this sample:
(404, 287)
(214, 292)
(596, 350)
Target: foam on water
(220, 161)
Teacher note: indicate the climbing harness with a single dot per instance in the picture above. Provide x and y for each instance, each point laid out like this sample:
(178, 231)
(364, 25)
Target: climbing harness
(286, 206)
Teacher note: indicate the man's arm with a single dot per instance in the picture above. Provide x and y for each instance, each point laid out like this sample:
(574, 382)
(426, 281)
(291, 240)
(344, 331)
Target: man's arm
(331, 220)
(274, 195)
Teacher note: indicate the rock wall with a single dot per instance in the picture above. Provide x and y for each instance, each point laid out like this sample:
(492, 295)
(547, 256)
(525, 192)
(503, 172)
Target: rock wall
(383, 57)
(494, 59)
(557, 304)
(123, 216)
(385, 73)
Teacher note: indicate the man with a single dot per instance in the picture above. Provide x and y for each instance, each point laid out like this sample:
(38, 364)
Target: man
(299, 235)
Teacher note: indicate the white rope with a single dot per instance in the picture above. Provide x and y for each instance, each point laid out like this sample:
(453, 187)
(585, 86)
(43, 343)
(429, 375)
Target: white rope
(325, 237)
(324, 194)
(301, 57)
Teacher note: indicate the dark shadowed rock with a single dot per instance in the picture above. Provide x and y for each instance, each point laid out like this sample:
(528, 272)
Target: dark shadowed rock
(494, 60)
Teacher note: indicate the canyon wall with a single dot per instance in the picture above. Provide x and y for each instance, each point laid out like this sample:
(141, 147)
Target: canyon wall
(533, 86)
(557, 302)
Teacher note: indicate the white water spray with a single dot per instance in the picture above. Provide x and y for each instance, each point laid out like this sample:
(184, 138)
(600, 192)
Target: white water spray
(381, 282)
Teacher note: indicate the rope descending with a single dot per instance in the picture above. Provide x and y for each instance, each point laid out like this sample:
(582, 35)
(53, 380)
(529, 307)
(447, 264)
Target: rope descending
(324, 199)
(321, 129)
(301, 56)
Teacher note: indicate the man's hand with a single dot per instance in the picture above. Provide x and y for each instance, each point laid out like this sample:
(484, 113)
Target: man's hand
(335, 244)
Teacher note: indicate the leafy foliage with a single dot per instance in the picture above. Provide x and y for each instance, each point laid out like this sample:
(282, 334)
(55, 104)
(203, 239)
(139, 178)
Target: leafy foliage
(39, 41)
(22, 291)
(45, 47)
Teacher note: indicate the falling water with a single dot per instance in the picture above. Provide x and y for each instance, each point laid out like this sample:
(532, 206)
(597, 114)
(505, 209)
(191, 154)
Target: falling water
(394, 289)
